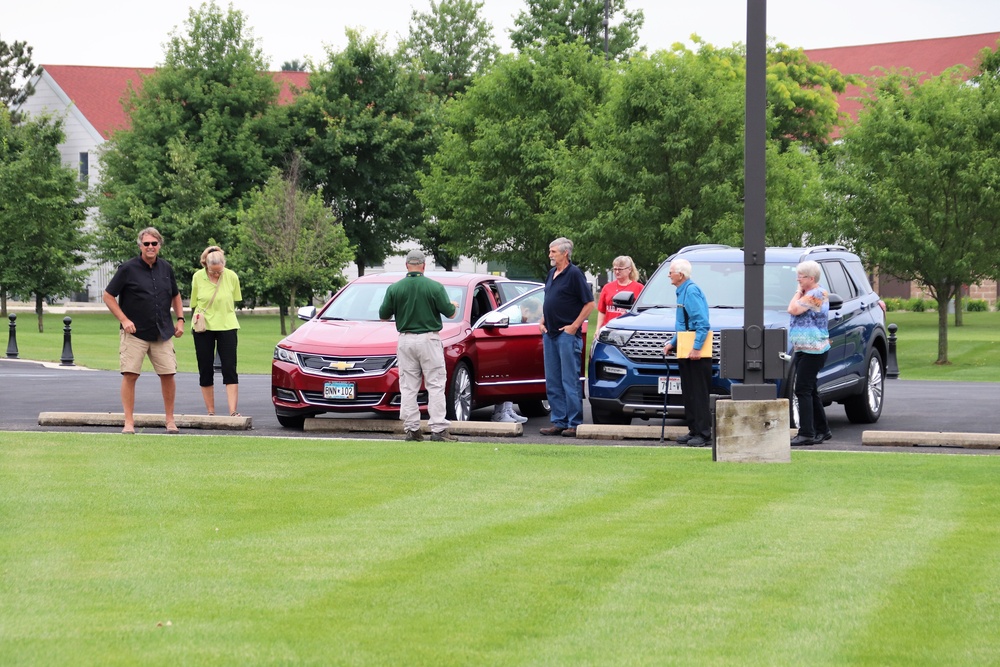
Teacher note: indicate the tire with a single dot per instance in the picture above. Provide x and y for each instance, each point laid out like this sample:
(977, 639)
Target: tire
(534, 408)
(292, 422)
(460, 394)
(866, 407)
(610, 417)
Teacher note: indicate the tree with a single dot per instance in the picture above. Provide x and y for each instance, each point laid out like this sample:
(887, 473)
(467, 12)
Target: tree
(41, 212)
(204, 132)
(802, 98)
(16, 67)
(290, 243)
(451, 44)
(488, 185)
(550, 22)
(365, 128)
(295, 65)
(917, 181)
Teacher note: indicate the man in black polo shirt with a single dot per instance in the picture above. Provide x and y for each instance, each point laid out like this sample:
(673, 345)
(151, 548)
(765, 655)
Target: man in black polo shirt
(568, 302)
(146, 290)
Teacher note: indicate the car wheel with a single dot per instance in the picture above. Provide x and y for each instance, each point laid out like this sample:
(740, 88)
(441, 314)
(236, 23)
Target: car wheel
(292, 422)
(610, 417)
(866, 407)
(534, 408)
(460, 394)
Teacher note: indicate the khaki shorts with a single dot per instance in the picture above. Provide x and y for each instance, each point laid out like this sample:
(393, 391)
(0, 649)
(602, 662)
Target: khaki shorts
(132, 350)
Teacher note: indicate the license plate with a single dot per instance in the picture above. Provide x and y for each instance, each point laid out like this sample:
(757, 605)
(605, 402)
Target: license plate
(342, 391)
(670, 385)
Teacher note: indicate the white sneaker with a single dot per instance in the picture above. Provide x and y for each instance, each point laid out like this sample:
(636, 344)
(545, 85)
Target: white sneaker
(503, 417)
(518, 418)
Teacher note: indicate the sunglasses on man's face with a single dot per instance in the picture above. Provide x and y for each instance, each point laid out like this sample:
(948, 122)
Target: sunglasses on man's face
(150, 243)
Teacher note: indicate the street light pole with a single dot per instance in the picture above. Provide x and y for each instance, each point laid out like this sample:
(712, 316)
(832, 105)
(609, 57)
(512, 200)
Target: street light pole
(607, 23)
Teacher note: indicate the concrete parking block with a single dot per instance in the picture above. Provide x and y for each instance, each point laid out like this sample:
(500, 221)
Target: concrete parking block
(144, 420)
(395, 427)
(649, 431)
(930, 439)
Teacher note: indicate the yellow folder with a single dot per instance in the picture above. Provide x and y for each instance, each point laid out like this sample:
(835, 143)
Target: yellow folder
(685, 343)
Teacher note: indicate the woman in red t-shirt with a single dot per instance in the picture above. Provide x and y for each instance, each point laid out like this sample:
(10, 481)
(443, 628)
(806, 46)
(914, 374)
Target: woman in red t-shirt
(626, 280)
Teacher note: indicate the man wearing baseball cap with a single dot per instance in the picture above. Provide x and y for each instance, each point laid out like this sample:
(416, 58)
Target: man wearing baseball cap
(417, 302)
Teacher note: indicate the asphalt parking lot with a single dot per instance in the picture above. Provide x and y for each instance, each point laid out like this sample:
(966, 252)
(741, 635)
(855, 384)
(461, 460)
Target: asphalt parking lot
(29, 388)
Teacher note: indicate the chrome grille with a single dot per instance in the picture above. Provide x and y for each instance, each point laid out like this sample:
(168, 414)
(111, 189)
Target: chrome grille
(345, 367)
(647, 346)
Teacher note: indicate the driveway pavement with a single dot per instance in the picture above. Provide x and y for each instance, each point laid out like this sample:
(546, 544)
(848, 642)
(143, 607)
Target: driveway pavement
(29, 388)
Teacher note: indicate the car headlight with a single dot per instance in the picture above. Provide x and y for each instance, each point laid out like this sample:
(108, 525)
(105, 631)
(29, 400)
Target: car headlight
(616, 337)
(281, 354)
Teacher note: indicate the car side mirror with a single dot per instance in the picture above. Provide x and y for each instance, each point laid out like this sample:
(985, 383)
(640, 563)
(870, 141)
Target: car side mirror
(835, 301)
(624, 300)
(307, 313)
(494, 320)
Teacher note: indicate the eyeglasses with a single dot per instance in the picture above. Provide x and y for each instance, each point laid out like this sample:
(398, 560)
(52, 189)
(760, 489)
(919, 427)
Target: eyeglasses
(621, 268)
(150, 243)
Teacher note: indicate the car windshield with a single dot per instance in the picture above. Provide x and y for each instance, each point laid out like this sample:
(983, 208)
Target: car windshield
(359, 302)
(722, 284)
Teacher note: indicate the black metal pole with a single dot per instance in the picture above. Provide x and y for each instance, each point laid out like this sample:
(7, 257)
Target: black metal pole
(12, 337)
(891, 365)
(754, 221)
(67, 352)
(607, 23)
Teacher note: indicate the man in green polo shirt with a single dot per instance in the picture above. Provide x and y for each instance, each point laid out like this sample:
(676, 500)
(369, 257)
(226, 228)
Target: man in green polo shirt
(418, 303)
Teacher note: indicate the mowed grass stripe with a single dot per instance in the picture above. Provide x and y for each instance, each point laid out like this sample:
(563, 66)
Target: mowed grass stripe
(340, 552)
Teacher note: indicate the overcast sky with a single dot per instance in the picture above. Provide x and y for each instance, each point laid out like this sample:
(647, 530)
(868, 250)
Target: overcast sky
(132, 32)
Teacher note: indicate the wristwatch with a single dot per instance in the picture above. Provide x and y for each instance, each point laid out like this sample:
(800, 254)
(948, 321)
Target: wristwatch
(181, 319)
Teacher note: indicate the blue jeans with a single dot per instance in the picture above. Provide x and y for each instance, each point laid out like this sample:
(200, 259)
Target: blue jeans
(562, 378)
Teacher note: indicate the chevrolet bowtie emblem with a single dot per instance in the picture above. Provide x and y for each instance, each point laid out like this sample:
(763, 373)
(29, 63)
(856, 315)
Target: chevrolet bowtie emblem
(341, 365)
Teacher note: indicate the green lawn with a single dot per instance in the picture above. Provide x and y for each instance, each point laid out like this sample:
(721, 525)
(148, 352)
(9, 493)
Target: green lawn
(974, 349)
(95, 341)
(226, 550)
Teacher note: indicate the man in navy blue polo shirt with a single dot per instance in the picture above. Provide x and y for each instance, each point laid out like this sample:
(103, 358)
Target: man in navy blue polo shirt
(568, 302)
(141, 295)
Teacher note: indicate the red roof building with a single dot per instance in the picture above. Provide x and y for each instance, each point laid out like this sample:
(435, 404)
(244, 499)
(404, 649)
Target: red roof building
(928, 57)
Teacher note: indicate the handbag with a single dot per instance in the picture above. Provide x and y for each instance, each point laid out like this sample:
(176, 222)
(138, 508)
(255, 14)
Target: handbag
(199, 324)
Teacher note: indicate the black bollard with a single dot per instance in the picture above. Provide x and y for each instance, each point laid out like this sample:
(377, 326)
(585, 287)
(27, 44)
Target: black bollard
(12, 339)
(891, 365)
(67, 354)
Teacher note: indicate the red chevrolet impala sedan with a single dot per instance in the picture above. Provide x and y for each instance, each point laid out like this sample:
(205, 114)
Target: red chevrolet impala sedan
(343, 359)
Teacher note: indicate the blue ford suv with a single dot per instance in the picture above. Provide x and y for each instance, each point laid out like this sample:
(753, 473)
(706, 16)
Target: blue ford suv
(628, 374)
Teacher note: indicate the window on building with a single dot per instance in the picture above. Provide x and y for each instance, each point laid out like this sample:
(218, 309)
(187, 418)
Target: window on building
(84, 167)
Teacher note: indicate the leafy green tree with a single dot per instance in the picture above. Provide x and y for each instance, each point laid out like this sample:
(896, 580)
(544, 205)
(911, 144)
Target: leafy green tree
(365, 128)
(917, 183)
(295, 65)
(451, 44)
(489, 184)
(16, 69)
(802, 98)
(291, 246)
(550, 22)
(41, 212)
(204, 132)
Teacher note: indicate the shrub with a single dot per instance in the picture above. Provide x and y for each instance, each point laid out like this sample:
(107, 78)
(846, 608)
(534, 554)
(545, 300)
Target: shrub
(894, 303)
(915, 305)
(977, 305)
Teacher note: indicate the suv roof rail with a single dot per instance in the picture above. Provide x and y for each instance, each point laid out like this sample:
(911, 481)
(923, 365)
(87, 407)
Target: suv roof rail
(825, 248)
(701, 246)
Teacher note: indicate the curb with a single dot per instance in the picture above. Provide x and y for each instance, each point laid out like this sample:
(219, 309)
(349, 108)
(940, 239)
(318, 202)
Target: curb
(395, 427)
(144, 420)
(930, 439)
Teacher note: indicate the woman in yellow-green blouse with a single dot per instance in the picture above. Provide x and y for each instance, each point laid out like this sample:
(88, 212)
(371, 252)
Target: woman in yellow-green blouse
(216, 289)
